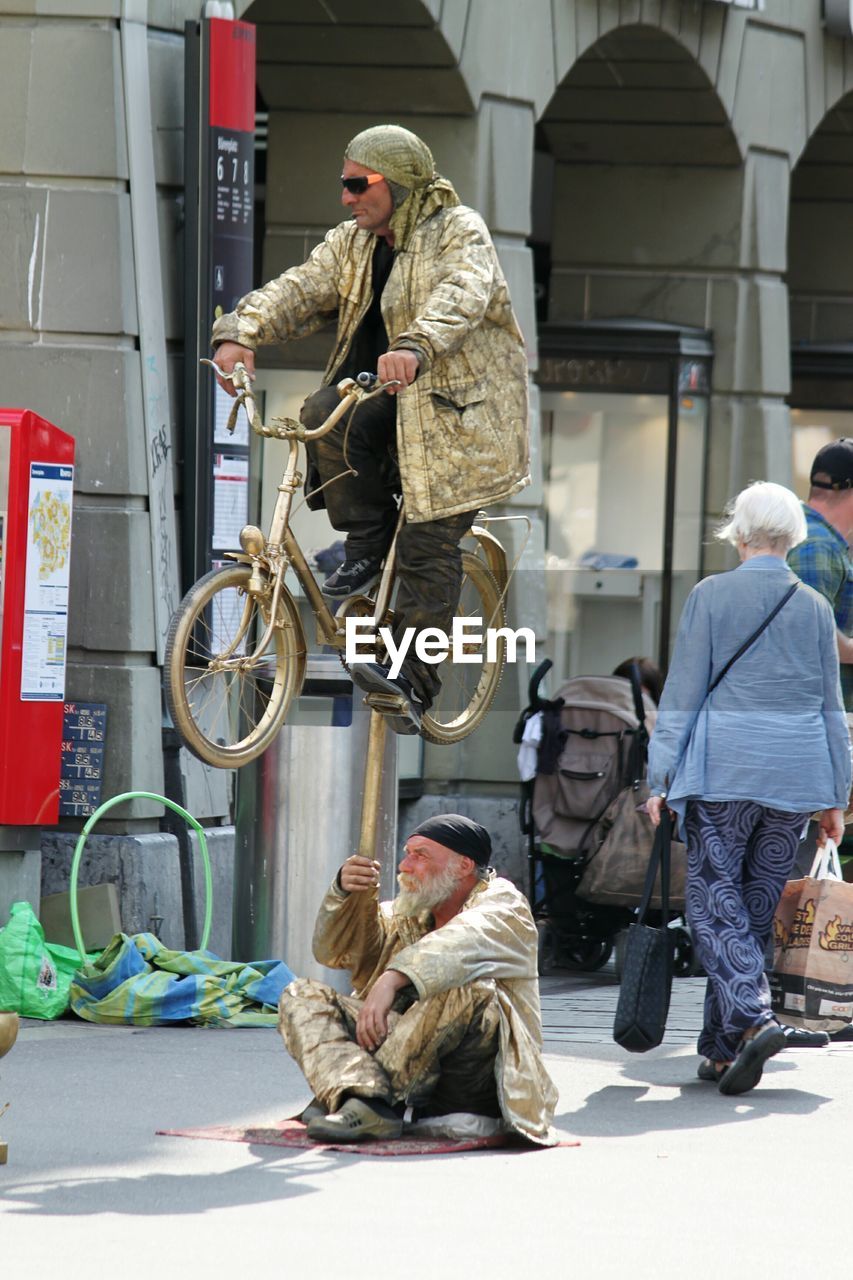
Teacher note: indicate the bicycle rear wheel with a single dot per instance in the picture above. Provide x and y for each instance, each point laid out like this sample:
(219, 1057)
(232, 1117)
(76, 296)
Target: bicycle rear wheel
(228, 702)
(468, 688)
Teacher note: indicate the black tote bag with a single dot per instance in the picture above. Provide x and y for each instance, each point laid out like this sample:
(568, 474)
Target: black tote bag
(643, 1004)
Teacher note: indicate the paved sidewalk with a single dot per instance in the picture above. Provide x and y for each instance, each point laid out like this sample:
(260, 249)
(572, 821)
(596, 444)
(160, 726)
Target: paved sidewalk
(579, 1008)
(671, 1178)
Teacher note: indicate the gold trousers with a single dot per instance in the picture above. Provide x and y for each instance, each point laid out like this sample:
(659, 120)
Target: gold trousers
(438, 1057)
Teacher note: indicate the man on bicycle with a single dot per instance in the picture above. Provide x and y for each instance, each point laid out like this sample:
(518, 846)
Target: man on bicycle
(414, 282)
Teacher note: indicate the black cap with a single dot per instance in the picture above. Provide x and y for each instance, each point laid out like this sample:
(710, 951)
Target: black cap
(835, 461)
(460, 834)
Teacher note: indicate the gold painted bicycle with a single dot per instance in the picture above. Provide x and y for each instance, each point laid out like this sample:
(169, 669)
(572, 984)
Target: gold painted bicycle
(236, 650)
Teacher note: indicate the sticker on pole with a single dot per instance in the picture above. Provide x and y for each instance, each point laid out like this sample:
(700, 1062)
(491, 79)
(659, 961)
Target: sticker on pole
(46, 586)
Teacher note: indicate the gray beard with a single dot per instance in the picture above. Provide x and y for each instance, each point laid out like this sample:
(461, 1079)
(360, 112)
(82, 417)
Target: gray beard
(413, 902)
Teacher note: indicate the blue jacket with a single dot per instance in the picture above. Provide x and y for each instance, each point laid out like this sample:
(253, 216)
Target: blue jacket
(774, 730)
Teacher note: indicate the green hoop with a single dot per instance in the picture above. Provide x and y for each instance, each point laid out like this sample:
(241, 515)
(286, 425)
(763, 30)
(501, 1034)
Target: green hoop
(78, 851)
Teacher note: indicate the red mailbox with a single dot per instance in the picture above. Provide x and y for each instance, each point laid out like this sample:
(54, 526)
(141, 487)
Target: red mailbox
(36, 487)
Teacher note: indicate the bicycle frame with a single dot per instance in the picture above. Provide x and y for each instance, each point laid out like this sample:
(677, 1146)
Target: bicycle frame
(229, 694)
(270, 557)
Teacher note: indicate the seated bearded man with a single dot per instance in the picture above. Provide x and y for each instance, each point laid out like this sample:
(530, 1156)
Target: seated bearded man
(445, 1012)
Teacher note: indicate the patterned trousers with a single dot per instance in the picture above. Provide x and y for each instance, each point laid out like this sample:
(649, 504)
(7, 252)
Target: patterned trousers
(739, 855)
(439, 1055)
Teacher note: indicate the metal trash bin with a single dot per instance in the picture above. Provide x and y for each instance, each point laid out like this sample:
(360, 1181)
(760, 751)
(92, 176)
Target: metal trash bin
(298, 817)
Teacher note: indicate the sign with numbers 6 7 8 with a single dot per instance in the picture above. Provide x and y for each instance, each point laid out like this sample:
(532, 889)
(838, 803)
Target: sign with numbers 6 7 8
(220, 187)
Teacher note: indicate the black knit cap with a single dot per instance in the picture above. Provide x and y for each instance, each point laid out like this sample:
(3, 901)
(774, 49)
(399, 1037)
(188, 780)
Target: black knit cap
(460, 834)
(835, 461)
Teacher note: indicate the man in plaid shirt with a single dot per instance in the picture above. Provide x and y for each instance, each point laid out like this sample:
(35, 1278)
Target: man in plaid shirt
(823, 560)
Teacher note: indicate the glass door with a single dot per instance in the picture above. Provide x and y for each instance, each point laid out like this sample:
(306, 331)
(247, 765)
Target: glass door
(624, 466)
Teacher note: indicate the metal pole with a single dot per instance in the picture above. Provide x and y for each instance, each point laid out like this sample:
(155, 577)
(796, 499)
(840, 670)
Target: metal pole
(669, 518)
(372, 784)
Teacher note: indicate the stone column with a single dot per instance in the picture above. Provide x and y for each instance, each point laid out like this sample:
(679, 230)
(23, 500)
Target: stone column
(69, 349)
(750, 420)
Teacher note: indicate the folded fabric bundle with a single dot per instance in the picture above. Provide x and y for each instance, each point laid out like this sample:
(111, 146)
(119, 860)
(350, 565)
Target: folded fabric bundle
(137, 980)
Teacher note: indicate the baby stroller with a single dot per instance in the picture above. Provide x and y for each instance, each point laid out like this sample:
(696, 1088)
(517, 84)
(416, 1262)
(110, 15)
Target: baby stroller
(590, 743)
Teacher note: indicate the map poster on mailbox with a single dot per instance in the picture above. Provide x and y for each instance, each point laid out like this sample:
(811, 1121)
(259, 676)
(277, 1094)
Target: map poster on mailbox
(46, 584)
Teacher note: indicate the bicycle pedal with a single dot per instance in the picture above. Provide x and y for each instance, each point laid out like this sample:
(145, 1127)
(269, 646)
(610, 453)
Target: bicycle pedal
(388, 704)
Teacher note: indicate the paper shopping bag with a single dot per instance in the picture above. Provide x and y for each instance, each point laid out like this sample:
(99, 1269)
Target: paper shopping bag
(783, 920)
(812, 980)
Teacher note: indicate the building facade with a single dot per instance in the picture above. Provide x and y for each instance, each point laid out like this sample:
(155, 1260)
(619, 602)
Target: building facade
(667, 185)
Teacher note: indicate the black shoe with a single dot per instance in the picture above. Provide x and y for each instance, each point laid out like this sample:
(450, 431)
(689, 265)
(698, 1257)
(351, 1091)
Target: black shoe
(842, 1036)
(707, 1070)
(352, 577)
(745, 1072)
(373, 678)
(797, 1038)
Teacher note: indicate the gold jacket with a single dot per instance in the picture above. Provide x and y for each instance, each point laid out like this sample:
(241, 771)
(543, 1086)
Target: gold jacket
(493, 938)
(462, 426)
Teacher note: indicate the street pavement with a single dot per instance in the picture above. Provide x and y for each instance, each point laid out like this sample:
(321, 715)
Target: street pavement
(670, 1179)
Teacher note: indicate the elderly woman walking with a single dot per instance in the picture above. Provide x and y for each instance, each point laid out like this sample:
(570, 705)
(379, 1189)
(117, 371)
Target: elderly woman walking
(751, 739)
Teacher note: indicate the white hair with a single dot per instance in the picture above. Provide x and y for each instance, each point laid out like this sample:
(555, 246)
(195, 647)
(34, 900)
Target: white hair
(416, 897)
(436, 887)
(764, 515)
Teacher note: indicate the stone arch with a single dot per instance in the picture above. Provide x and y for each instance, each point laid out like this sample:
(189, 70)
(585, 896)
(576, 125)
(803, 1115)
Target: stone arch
(820, 230)
(661, 205)
(640, 183)
(331, 51)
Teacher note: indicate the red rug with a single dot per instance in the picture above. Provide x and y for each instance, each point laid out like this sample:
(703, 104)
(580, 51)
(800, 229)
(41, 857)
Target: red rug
(292, 1133)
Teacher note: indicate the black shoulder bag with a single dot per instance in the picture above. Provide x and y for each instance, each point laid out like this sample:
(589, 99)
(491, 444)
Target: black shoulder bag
(643, 1005)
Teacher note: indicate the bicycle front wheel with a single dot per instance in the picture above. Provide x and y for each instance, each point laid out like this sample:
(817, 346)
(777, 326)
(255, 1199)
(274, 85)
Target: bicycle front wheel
(468, 688)
(228, 701)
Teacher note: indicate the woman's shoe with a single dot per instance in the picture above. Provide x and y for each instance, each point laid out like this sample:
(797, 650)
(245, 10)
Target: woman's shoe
(707, 1070)
(745, 1072)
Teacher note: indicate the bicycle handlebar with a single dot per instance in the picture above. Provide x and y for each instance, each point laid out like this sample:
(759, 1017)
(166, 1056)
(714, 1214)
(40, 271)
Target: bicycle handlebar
(364, 387)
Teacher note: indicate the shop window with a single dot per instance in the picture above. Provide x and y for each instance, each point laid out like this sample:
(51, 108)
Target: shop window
(624, 484)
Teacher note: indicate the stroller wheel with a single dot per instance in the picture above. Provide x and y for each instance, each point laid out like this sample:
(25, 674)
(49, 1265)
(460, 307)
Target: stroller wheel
(546, 948)
(589, 954)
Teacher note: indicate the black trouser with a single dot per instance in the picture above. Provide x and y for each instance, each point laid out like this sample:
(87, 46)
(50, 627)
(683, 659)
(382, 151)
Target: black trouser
(362, 505)
(429, 562)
